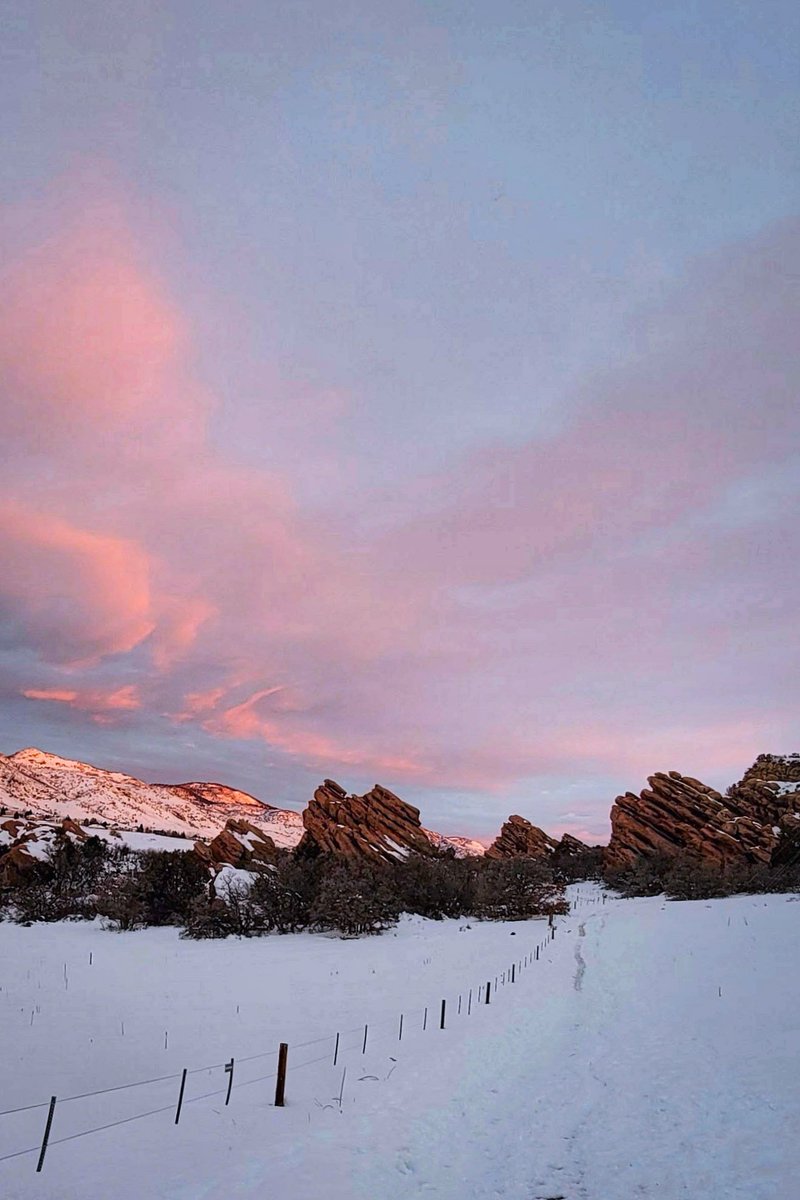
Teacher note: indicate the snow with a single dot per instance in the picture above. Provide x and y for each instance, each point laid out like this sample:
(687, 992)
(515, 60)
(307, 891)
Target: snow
(642, 1055)
(58, 787)
(233, 877)
(55, 787)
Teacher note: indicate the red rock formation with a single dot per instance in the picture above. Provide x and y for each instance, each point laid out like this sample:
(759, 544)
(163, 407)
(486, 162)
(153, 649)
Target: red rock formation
(519, 839)
(378, 825)
(770, 788)
(678, 814)
(16, 867)
(26, 842)
(239, 844)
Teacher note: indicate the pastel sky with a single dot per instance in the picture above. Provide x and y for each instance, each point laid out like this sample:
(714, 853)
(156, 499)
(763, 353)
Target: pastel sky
(402, 391)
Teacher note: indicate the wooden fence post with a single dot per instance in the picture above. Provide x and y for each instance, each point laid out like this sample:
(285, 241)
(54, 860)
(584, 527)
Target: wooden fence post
(441, 1019)
(280, 1083)
(229, 1073)
(488, 991)
(180, 1096)
(364, 1047)
(336, 1050)
(400, 1032)
(47, 1128)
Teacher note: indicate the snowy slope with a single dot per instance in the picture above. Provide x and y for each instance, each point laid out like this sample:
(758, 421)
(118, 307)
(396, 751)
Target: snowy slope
(640, 1056)
(463, 846)
(46, 785)
(49, 785)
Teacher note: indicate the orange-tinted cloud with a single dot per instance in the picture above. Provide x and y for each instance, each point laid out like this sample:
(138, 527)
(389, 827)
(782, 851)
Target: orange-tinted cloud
(247, 720)
(75, 595)
(101, 704)
(467, 631)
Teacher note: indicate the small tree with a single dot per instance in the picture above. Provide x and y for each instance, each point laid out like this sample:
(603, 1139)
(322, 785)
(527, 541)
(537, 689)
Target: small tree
(354, 898)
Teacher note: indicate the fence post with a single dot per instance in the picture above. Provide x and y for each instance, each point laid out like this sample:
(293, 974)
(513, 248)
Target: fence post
(336, 1050)
(47, 1129)
(400, 1033)
(441, 1019)
(180, 1096)
(488, 991)
(425, 1019)
(513, 973)
(469, 1002)
(280, 1083)
(229, 1073)
(364, 1047)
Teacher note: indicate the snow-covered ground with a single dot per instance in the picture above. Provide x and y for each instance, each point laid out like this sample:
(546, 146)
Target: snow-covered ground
(650, 1052)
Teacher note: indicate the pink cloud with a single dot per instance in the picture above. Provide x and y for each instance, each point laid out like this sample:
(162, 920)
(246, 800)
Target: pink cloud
(534, 608)
(89, 336)
(103, 705)
(77, 595)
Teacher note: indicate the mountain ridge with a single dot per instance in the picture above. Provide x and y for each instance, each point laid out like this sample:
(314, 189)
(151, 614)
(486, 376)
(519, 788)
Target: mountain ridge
(49, 785)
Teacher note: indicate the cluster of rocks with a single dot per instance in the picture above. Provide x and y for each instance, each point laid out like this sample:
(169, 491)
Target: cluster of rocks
(518, 838)
(377, 825)
(240, 844)
(25, 842)
(756, 823)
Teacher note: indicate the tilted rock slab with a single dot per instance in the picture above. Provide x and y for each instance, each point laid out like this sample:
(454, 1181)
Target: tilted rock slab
(377, 825)
(518, 838)
(678, 814)
(239, 844)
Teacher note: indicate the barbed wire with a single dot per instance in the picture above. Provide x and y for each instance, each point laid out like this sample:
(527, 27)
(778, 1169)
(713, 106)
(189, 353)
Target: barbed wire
(341, 1048)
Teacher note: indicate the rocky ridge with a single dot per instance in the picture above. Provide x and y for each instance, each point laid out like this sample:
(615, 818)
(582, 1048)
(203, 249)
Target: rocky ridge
(518, 838)
(239, 845)
(377, 825)
(678, 814)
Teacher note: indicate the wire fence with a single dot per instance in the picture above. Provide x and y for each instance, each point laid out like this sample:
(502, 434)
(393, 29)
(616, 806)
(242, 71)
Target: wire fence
(362, 1037)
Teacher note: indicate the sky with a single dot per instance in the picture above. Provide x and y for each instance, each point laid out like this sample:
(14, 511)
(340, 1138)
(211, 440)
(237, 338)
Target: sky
(403, 392)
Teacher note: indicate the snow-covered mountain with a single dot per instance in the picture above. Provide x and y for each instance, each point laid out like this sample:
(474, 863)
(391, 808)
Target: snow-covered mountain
(45, 785)
(463, 846)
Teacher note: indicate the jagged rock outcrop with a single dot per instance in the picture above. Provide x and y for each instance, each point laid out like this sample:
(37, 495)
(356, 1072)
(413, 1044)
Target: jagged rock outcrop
(239, 844)
(678, 814)
(25, 842)
(771, 787)
(377, 825)
(518, 838)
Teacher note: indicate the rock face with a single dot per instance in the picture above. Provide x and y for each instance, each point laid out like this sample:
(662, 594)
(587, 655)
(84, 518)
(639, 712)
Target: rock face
(771, 788)
(239, 844)
(24, 843)
(519, 839)
(678, 814)
(377, 825)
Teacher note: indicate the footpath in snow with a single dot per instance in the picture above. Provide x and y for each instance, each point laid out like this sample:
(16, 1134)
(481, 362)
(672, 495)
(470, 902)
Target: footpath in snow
(649, 1051)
